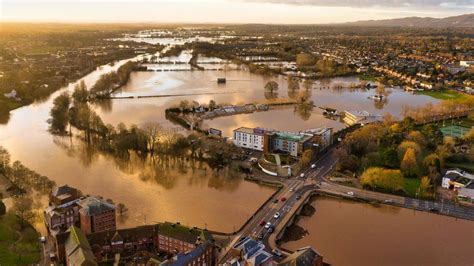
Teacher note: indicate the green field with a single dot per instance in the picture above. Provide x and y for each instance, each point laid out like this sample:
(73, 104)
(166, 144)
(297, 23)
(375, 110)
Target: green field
(411, 186)
(17, 248)
(444, 94)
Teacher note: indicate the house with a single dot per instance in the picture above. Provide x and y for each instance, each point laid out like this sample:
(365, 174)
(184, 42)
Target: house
(304, 256)
(62, 217)
(77, 250)
(455, 179)
(63, 194)
(360, 117)
(96, 215)
(201, 255)
(248, 251)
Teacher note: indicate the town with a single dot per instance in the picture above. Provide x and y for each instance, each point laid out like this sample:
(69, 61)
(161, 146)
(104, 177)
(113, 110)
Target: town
(237, 144)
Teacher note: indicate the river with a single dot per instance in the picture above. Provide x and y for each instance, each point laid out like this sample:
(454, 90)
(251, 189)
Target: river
(350, 233)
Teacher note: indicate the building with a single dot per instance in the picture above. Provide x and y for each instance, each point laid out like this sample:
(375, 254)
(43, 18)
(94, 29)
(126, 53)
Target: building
(466, 194)
(63, 194)
(270, 141)
(455, 179)
(96, 215)
(60, 218)
(360, 117)
(77, 250)
(250, 138)
(201, 255)
(304, 256)
(248, 251)
(293, 144)
(186, 246)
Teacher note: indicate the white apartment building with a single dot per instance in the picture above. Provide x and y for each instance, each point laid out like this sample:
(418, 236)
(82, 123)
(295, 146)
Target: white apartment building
(250, 138)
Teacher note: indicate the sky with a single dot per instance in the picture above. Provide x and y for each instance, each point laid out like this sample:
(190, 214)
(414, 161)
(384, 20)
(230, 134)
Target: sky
(227, 11)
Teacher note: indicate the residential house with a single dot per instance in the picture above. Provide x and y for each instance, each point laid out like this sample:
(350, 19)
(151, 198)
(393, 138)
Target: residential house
(96, 215)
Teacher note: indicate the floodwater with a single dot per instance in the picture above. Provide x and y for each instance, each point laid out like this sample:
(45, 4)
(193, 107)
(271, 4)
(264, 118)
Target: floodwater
(350, 233)
(244, 87)
(165, 190)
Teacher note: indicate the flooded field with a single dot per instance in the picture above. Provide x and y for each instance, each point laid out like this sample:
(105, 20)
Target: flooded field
(165, 190)
(244, 87)
(172, 190)
(349, 233)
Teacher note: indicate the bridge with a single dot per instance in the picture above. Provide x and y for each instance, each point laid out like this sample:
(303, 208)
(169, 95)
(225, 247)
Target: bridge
(297, 191)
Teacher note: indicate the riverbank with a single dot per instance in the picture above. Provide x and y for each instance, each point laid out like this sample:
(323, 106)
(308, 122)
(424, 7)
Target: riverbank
(18, 246)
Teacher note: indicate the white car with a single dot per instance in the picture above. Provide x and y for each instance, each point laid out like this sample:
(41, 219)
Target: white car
(43, 239)
(350, 193)
(277, 215)
(302, 175)
(268, 225)
(313, 166)
(292, 189)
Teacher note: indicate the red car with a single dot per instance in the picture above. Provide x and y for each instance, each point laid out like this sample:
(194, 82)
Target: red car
(283, 199)
(262, 223)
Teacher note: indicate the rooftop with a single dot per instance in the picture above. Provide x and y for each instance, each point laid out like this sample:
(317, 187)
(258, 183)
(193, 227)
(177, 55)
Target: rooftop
(92, 206)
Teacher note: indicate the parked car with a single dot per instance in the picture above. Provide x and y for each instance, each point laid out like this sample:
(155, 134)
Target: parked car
(268, 225)
(270, 229)
(283, 199)
(277, 253)
(262, 223)
(298, 197)
(435, 210)
(292, 189)
(388, 201)
(260, 236)
(302, 175)
(43, 239)
(350, 193)
(275, 201)
(277, 215)
(313, 166)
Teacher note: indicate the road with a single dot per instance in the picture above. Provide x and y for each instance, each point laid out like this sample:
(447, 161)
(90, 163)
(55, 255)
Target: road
(315, 179)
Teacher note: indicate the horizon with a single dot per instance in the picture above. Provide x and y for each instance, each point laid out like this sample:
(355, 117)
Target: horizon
(281, 12)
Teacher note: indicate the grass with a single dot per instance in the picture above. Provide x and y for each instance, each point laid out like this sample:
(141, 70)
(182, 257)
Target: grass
(444, 94)
(411, 186)
(25, 252)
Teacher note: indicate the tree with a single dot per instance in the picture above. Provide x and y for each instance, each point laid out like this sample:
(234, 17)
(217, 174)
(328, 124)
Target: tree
(121, 209)
(293, 83)
(3, 209)
(212, 105)
(409, 165)
(22, 207)
(152, 132)
(80, 94)
(272, 86)
(306, 158)
(4, 160)
(380, 178)
(424, 186)
(60, 113)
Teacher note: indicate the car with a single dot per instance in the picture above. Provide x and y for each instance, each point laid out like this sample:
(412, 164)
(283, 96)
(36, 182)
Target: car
(43, 239)
(388, 201)
(302, 175)
(350, 193)
(283, 199)
(292, 189)
(275, 201)
(298, 197)
(277, 253)
(313, 166)
(434, 210)
(260, 236)
(262, 223)
(277, 215)
(268, 225)
(270, 229)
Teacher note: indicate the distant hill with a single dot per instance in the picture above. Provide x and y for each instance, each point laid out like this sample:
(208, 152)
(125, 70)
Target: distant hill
(426, 22)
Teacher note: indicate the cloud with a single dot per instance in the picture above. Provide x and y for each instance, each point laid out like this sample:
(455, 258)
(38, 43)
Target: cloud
(376, 3)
